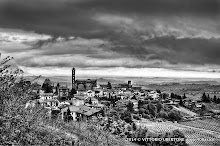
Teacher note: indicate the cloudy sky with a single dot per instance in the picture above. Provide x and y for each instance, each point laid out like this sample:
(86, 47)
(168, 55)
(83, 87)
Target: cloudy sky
(162, 38)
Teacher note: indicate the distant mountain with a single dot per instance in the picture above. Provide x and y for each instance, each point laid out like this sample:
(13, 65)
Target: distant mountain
(106, 80)
(66, 80)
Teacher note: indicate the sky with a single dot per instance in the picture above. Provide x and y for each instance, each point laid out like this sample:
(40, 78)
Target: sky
(155, 38)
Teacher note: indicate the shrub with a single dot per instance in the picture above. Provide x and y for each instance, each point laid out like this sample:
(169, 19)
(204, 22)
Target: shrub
(136, 117)
(174, 116)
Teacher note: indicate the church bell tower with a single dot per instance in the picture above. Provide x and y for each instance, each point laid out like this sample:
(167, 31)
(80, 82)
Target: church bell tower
(73, 78)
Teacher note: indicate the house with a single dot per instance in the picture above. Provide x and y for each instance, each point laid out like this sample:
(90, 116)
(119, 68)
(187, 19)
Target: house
(45, 96)
(136, 88)
(99, 93)
(73, 109)
(97, 106)
(64, 104)
(172, 103)
(122, 103)
(36, 88)
(215, 112)
(153, 95)
(78, 100)
(93, 100)
(86, 113)
(84, 85)
(63, 92)
(80, 112)
(90, 93)
(199, 106)
(103, 86)
(135, 103)
(50, 103)
(31, 104)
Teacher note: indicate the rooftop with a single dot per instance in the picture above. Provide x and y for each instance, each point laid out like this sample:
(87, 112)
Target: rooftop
(72, 108)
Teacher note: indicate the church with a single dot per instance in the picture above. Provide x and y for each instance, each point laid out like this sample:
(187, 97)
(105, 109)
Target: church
(82, 85)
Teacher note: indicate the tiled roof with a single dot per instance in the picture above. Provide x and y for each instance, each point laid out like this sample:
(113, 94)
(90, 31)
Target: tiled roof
(72, 108)
(82, 110)
(91, 112)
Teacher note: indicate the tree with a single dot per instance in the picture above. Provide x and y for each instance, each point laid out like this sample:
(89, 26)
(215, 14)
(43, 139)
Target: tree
(140, 104)
(126, 116)
(109, 85)
(214, 99)
(68, 115)
(174, 116)
(114, 114)
(163, 114)
(134, 97)
(172, 95)
(218, 101)
(204, 98)
(130, 106)
(181, 102)
(90, 100)
(208, 99)
(47, 86)
(134, 126)
(164, 95)
(73, 91)
(203, 109)
(152, 109)
(146, 116)
(141, 110)
(159, 106)
(184, 96)
(158, 91)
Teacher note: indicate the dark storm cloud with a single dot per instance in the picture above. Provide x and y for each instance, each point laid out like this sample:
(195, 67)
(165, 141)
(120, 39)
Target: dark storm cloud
(163, 7)
(186, 50)
(57, 18)
(74, 17)
(120, 25)
(169, 48)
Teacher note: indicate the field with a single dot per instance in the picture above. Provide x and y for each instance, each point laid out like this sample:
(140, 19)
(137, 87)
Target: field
(193, 134)
(208, 124)
(184, 111)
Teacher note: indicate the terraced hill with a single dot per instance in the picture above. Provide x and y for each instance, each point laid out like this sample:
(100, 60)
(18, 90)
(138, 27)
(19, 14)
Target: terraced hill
(195, 136)
(185, 111)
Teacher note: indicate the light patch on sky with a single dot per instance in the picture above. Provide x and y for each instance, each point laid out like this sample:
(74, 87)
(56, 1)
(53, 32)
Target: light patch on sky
(19, 36)
(124, 72)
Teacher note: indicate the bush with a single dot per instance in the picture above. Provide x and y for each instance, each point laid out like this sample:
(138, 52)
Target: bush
(162, 114)
(136, 117)
(146, 116)
(174, 116)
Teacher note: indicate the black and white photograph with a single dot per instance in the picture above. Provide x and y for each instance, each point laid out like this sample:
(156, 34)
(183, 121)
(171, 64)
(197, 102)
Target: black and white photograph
(109, 72)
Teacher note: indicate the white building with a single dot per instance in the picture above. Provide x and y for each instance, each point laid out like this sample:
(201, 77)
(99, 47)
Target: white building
(78, 100)
(46, 96)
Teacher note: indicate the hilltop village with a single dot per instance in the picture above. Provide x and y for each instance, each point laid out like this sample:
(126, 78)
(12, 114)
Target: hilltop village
(123, 108)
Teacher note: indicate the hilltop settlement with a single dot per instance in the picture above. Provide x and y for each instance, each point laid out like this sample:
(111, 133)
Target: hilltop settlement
(128, 111)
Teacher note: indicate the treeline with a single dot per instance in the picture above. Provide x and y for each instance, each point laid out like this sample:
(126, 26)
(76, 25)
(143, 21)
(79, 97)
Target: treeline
(206, 98)
(150, 110)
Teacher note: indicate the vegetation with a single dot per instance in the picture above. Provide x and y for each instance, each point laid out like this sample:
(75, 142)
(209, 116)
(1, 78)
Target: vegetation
(109, 85)
(130, 106)
(32, 125)
(47, 86)
(145, 133)
(205, 98)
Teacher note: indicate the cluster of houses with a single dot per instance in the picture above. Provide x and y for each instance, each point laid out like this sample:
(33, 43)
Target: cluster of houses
(87, 100)
(85, 104)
